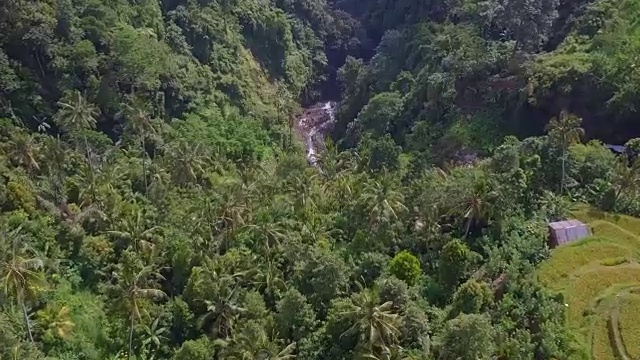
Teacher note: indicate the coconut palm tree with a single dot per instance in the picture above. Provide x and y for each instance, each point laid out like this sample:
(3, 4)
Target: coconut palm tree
(315, 229)
(139, 123)
(232, 213)
(55, 321)
(222, 312)
(376, 325)
(477, 203)
(20, 273)
(270, 280)
(75, 115)
(133, 286)
(253, 343)
(565, 130)
(186, 162)
(112, 178)
(382, 201)
(133, 229)
(23, 150)
(284, 100)
(301, 188)
(85, 182)
(56, 154)
(268, 231)
(222, 309)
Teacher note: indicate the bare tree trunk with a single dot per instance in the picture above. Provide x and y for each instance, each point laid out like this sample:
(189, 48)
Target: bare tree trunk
(467, 227)
(26, 318)
(144, 166)
(131, 337)
(88, 154)
(563, 174)
(39, 63)
(290, 123)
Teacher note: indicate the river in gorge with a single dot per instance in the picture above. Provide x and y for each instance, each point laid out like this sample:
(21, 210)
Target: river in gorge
(312, 127)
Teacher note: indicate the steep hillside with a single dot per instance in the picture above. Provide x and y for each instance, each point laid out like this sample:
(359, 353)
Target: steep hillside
(451, 69)
(155, 201)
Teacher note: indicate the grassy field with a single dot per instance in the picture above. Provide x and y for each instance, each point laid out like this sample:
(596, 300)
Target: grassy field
(599, 278)
(629, 325)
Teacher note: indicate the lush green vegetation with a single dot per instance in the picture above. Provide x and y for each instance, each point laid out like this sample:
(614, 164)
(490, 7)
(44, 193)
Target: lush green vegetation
(456, 76)
(598, 278)
(154, 203)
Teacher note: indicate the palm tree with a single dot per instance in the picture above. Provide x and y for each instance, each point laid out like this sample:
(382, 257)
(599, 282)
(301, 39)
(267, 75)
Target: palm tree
(134, 230)
(254, 344)
(56, 153)
(477, 202)
(186, 162)
(376, 325)
(204, 222)
(55, 321)
(23, 150)
(233, 212)
(269, 231)
(111, 178)
(334, 163)
(382, 202)
(21, 274)
(223, 311)
(301, 187)
(314, 230)
(77, 114)
(133, 286)
(269, 279)
(284, 101)
(139, 122)
(565, 131)
(85, 182)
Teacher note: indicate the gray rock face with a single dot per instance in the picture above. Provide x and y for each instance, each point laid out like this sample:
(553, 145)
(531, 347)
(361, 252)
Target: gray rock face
(314, 123)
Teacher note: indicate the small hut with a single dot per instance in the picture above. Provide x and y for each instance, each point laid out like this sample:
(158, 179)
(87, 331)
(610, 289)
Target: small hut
(562, 232)
(618, 149)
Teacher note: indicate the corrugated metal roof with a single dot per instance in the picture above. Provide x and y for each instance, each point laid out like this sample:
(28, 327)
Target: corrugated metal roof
(566, 231)
(616, 148)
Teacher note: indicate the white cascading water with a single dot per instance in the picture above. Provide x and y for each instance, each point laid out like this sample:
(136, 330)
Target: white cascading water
(319, 128)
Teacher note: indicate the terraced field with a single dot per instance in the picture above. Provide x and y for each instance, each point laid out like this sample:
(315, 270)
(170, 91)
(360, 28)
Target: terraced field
(599, 278)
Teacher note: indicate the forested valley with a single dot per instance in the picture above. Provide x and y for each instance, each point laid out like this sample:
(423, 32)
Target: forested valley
(156, 203)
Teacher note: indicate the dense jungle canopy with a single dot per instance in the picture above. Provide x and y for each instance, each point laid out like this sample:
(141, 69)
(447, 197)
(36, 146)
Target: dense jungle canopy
(156, 204)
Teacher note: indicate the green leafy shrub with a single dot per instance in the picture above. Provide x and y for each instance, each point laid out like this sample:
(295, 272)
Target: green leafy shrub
(19, 196)
(405, 267)
(471, 297)
(200, 349)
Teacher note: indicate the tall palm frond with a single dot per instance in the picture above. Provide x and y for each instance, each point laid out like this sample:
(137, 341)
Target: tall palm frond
(24, 150)
(376, 324)
(76, 113)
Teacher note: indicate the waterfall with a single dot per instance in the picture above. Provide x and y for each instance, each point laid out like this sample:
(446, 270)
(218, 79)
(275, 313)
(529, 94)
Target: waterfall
(314, 125)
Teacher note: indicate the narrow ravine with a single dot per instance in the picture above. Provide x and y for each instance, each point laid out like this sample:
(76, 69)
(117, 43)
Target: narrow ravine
(313, 125)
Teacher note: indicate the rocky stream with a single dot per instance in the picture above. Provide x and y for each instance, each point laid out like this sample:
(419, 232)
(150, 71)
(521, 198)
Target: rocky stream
(312, 127)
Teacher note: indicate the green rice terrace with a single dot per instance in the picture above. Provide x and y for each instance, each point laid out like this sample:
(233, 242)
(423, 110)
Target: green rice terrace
(599, 278)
